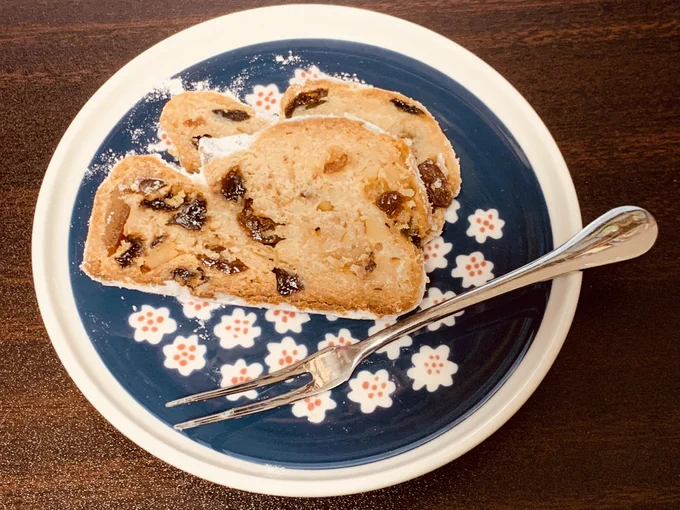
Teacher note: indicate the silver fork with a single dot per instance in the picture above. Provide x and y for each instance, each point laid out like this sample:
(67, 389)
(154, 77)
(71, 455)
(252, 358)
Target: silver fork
(621, 234)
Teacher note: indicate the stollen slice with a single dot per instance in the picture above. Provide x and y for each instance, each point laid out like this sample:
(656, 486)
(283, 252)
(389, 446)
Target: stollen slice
(319, 215)
(333, 201)
(396, 114)
(190, 116)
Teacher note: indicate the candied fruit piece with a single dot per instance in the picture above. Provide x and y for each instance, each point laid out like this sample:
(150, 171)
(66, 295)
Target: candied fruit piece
(391, 203)
(151, 185)
(309, 99)
(335, 164)
(166, 203)
(256, 226)
(196, 139)
(405, 107)
(370, 265)
(217, 248)
(192, 215)
(188, 278)
(159, 256)
(287, 283)
(134, 250)
(233, 115)
(233, 187)
(198, 121)
(416, 240)
(413, 236)
(325, 206)
(225, 266)
(158, 240)
(436, 184)
(115, 223)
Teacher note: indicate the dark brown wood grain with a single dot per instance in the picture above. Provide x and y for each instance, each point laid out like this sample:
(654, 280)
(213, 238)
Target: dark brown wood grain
(602, 431)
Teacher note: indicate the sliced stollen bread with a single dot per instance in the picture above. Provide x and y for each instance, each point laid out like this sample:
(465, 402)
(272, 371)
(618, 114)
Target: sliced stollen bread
(332, 201)
(190, 116)
(301, 224)
(396, 114)
(150, 223)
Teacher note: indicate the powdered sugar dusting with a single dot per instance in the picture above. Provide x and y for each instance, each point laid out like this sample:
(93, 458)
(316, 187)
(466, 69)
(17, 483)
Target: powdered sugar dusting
(287, 60)
(162, 142)
(106, 161)
(171, 87)
(166, 89)
(239, 84)
(313, 71)
(349, 77)
(212, 147)
(137, 134)
(201, 85)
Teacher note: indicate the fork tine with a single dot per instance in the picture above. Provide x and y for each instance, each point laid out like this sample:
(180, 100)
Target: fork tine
(265, 380)
(255, 407)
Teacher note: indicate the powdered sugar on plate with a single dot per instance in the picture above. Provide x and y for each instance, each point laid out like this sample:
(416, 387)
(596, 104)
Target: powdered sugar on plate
(106, 161)
(287, 60)
(166, 89)
(311, 70)
(175, 86)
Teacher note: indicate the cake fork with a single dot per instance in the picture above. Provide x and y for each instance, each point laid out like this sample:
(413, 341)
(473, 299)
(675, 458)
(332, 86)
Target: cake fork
(620, 234)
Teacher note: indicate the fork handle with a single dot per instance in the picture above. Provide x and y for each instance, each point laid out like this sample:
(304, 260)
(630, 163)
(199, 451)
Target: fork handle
(620, 234)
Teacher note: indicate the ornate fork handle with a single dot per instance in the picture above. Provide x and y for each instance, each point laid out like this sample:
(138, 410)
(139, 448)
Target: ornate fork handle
(620, 234)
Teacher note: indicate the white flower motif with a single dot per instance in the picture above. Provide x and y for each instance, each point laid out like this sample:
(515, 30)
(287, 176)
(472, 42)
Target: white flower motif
(343, 338)
(302, 75)
(151, 324)
(332, 318)
(283, 354)
(163, 143)
(484, 224)
(237, 329)
(265, 99)
(473, 269)
(371, 390)
(185, 354)
(285, 321)
(434, 254)
(451, 214)
(393, 349)
(237, 373)
(434, 297)
(198, 309)
(432, 368)
(314, 408)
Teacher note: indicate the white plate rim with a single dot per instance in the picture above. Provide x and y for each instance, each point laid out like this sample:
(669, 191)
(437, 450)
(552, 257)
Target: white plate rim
(123, 89)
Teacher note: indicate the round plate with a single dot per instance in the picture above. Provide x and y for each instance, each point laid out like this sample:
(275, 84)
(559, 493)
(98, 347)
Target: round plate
(410, 409)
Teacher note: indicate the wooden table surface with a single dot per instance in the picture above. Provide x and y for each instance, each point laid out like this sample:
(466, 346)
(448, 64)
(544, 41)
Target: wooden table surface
(602, 431)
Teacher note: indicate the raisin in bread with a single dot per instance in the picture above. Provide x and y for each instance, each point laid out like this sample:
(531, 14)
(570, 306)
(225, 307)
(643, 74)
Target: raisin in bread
(398, 115)
(298, 224)
(190, 116)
